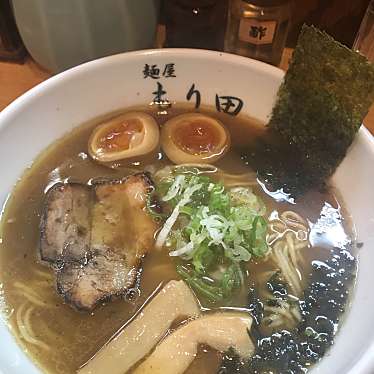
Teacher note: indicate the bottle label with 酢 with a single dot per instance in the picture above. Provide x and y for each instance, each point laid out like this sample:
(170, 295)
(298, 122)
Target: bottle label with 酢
(257, 32)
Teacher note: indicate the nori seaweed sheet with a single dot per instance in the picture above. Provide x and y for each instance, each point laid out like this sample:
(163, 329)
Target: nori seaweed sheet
(325, 95)
(324, 302)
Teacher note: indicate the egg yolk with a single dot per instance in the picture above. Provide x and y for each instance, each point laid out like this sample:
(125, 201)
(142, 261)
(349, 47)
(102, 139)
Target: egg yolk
(196, 137)
(121, 136)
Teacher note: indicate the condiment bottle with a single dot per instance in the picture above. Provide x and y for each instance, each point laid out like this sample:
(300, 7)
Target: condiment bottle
(258, 29)
(195, 23)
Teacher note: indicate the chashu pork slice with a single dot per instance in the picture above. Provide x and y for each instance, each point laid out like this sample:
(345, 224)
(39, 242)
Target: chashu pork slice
(120, 233)
(66, 223)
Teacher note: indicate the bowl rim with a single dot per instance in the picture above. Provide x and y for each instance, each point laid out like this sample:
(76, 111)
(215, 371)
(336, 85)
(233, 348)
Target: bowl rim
(366, 361)
(50, 82)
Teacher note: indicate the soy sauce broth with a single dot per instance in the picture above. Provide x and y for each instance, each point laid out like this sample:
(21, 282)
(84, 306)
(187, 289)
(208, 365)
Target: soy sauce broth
(71, 337)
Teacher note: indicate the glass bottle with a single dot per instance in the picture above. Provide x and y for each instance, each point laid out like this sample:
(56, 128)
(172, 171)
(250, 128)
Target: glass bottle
(258, 29)
(364, 42)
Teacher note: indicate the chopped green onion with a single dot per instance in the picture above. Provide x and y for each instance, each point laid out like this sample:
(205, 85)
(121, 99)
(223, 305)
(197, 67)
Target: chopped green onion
(212, 228)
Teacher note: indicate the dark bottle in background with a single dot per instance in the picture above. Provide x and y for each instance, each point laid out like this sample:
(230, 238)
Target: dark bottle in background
(258, 28)
(195, 23)
(11, 46)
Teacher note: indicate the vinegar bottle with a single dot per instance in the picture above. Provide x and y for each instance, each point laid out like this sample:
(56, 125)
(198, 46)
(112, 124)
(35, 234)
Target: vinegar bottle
(258, 29)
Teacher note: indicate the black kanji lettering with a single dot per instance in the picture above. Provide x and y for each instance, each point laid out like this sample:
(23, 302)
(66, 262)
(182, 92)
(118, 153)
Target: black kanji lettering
(192, 91)
(159, 93)
(169, 71)
(151, 71)
(257, 31)
(229, 104)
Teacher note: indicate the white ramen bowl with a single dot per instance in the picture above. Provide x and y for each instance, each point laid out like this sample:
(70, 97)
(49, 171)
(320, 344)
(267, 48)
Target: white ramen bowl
(53, 108)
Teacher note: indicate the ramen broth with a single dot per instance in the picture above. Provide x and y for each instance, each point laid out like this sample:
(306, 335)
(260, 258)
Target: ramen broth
(65, 338)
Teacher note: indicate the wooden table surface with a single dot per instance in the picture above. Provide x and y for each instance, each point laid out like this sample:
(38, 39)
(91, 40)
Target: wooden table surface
(15, 79)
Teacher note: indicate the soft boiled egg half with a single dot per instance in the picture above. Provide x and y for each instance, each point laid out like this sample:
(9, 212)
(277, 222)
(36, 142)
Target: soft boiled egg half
(129, 135)
(194, 138)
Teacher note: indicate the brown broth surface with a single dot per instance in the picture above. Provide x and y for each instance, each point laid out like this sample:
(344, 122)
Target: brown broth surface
(72, 337)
